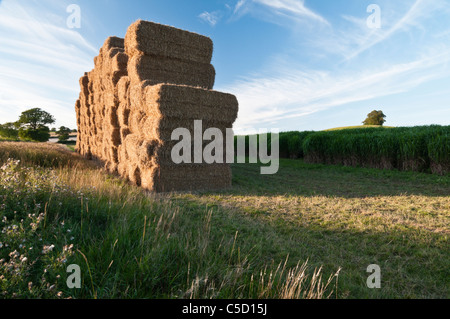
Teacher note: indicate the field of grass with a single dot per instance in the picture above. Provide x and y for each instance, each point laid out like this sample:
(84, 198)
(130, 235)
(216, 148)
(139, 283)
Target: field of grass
(358, 127)
(309, 231)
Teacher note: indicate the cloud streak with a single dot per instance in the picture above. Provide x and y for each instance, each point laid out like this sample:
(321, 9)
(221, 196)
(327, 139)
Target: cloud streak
(357, 68)
(212, 18)
(294, 8)
(296, 93)
(278, 11)
(419, 10)
(40, 61)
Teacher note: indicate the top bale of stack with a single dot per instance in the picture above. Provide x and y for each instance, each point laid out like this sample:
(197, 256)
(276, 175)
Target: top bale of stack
(150, 38)
(113, 42)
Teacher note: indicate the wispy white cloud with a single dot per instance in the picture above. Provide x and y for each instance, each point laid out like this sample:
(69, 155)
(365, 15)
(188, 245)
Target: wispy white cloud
(212, 18)
(294, 93)
(281, 12)
(290, 89)
(419, 10)
(41, 60)
(293, 8)
(239, 5)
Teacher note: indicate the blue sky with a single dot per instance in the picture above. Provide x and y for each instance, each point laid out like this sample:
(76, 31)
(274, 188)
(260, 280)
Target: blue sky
(293, 64)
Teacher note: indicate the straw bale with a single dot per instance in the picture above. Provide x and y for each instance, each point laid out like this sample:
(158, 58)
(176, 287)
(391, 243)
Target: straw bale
(132, 144)
(111, 116)
(123, 89)
(109, 55)
(122, 156)
(168, 178)
(124, 132)
(165, 70)
(113, 137)
(160, 40)
(134, 173)
(136, 95)
(113, 42)
(123, 115)
(196, 103)
(157, 79)
(120, 61)
(136, 118)
(122, 168)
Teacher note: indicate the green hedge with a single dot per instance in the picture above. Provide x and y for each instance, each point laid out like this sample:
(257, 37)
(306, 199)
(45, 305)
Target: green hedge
(422, 148)
(290, 143)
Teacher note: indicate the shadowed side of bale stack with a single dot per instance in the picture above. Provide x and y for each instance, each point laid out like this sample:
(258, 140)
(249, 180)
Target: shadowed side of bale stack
(98, 126)
(143, 88)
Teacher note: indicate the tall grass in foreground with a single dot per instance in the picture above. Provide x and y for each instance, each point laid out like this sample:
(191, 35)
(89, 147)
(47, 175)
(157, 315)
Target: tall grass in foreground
(56, 209)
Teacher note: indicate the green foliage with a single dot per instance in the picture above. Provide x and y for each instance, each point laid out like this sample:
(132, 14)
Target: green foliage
(35, 119)
(32, 125)
(439, 153)
(9, 131)
(34, 245)
(401, 148)
(290, 143)
(375, 118)
(41, 134)
(63, 133)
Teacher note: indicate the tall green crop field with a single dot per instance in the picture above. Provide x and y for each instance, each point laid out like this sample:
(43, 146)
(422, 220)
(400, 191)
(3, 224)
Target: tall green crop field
(422, 148)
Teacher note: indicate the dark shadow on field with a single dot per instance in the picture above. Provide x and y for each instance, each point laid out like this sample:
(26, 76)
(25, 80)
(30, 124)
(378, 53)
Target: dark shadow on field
(413, 260)
(412, 266)
(296, 178)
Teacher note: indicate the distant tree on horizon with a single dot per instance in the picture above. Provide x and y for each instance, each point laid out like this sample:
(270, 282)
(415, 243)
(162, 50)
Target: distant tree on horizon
(63, 133)
(32, 125)
(375, 118)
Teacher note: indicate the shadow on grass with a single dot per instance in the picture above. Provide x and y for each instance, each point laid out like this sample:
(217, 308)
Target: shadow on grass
(296, 178)
(412, 261)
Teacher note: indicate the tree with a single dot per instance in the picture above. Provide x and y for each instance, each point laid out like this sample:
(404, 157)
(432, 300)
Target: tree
(9, 130)
(63, 133)
(32, 125)
(375, 118)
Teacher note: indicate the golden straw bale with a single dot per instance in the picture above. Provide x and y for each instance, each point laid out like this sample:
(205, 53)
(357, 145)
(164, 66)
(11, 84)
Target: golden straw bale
(134, 173)
(113, 42)
(141, 89)
(123, 115)
(160, 40)
(165, 70)
(169, 178)
(122, 90)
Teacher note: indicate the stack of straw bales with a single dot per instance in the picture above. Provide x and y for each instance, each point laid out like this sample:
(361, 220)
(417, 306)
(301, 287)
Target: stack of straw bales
(143, 88)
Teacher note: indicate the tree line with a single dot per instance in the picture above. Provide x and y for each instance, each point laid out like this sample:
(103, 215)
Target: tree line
(32, 125)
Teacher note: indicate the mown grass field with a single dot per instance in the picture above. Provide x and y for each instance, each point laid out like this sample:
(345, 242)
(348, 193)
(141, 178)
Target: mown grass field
(309, 231)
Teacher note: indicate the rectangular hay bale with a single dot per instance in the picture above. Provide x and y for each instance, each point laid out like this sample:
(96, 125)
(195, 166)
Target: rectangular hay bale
(166, 41)
(165, 70)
